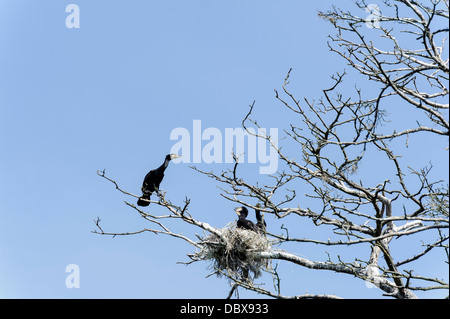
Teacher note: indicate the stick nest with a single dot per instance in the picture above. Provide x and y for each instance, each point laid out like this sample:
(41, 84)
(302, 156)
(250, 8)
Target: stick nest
(232, 253)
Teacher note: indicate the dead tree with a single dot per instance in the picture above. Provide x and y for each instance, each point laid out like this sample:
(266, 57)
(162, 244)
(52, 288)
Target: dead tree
(402, 53)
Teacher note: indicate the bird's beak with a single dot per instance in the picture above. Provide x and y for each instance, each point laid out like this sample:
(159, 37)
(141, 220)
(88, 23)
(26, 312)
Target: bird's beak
(174, 157)
(237, 211)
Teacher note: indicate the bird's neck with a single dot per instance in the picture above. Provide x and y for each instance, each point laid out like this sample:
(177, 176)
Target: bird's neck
(242, 217)
(165, 164)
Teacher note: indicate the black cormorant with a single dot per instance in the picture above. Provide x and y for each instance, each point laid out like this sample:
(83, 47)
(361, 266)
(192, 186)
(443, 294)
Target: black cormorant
(152, 181)
(261, 223)
(242, 221)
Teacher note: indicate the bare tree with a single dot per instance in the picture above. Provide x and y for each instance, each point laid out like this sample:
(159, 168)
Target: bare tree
(403, 54)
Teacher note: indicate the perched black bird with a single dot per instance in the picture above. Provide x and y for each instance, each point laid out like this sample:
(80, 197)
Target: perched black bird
(242, 221)
(261, 223)
(152, 181)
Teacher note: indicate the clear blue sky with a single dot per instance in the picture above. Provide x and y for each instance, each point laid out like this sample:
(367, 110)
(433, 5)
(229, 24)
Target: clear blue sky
(107, 96)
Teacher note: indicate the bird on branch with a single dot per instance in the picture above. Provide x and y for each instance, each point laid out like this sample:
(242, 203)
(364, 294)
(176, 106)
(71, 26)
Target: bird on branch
(261, 223)
(153, 179)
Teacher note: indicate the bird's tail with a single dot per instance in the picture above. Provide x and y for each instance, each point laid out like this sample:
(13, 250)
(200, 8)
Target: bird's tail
(144, 200)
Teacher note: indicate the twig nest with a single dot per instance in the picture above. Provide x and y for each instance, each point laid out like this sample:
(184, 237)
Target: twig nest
(232, 253)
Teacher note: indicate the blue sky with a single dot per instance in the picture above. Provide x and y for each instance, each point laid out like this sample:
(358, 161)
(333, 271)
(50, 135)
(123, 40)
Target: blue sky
(107, 96)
